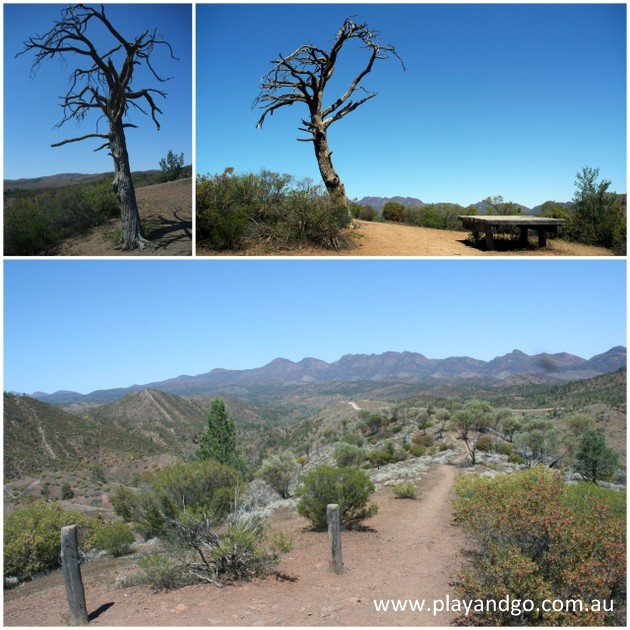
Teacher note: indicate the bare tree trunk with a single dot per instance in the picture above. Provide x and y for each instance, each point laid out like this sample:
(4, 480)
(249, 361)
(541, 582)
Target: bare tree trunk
(131, 228)
(333, 183)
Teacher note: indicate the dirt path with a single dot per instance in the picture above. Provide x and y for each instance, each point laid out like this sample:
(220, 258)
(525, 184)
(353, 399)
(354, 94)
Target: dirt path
(166, 213)
(412, 552)
(390, 239)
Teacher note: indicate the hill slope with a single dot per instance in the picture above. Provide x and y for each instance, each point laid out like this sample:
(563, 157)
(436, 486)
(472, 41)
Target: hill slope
(41, 437)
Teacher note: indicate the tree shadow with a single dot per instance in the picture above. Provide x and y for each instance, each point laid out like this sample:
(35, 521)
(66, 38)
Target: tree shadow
(171, 230)
(99, 611)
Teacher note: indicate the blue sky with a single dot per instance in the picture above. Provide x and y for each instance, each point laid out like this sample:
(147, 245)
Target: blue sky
(86, 325)
(509, 100)
(31, 104)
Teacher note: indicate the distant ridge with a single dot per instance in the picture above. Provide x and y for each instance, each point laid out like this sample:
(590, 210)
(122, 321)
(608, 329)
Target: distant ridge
(378, 203)
(60, 180)
(386, 367)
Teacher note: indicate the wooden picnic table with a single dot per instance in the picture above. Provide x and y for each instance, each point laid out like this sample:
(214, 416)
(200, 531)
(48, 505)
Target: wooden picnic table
(490, 224)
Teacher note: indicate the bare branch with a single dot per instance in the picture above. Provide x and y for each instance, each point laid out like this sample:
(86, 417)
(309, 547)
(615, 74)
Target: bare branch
(89, 135)
(303, 75)
(100, 85)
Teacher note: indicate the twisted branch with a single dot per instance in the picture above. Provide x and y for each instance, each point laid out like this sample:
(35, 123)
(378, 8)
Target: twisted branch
(100, 86)
(302, 76)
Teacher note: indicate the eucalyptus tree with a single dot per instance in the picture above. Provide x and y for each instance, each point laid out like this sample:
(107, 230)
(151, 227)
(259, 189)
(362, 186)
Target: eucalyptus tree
(102, 83)
(303, 76)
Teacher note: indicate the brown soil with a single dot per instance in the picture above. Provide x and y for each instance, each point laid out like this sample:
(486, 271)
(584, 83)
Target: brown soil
(389, 239)
(411, 551)
(166, 213)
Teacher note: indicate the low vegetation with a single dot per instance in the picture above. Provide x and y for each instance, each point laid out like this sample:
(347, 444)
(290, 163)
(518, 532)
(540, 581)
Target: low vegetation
(234, 210)
(536, 538)
(32, 538)
(37, 221)
(165, 495)
(36, 224)
(347, 487)
(405, 491)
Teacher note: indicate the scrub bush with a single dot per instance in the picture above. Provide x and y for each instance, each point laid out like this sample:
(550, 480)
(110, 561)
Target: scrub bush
(533, 537)
(349, 488)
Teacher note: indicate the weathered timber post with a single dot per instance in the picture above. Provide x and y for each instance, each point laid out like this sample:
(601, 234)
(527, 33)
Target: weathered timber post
(72, 576)
(334, 538)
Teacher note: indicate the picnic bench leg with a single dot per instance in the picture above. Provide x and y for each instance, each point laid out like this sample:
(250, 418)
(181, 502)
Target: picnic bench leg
(542, 237)
(523, 239)
(489, 238)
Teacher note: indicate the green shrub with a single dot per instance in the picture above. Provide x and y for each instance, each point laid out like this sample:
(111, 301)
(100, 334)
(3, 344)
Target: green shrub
(32, 537)
(404, 491)
(66, 492)
(365, 213)
(505, 448)
(537, 538)
(515, 458)
(394, 211)
(485, 444)
(124, 502)
(417, 450)
(380, 457)
(164, 571)
(422, 439)
(347, 487)
(279, 471)
(197, 551)
(172, 166)
(268, 207)
(353, 438)
(205, 486)
(349, 455)
(242, 552)
(116, 538)
(38, 224)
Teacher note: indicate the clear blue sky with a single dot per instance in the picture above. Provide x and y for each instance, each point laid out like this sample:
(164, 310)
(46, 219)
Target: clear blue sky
(508, 100)
(86, 325)
(31, 104)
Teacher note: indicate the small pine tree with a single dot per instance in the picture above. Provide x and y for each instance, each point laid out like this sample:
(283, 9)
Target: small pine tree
(218, 442)
(595, 460)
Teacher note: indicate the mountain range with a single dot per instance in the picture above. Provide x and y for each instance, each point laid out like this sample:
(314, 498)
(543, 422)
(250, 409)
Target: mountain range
(407, 367)
(378, 203)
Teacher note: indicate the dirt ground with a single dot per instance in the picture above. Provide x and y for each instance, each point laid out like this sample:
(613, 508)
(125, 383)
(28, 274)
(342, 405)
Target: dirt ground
(389, 239)
(412, 550)
(166, 213)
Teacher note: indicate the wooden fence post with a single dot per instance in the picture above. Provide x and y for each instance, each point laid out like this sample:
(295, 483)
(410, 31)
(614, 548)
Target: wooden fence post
(72, 576)
(334, 538)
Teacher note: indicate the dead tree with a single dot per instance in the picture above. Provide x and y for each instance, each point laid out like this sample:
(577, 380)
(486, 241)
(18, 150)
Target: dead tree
(100, 87)
(302, 77)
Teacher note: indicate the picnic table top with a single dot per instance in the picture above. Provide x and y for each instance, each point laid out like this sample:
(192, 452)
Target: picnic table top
(511, 219)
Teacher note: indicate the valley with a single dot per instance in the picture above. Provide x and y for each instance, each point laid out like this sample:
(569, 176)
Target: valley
(400, 418)
(93, 442)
